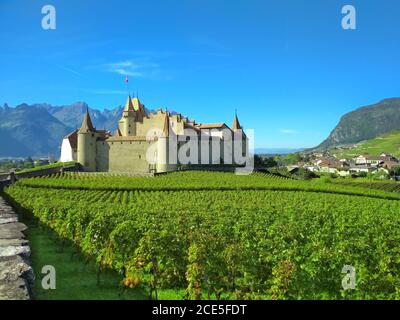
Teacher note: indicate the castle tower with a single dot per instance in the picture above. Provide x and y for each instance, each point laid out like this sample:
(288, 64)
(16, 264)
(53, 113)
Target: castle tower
(127, 124)
(162, 147)
(87, 144)
(139, 109)
(238, 133)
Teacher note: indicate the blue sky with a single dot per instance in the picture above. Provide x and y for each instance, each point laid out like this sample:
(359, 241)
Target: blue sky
(287, 66)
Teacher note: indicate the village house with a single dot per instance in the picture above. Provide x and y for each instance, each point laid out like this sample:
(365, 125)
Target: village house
(390, 164)
(367, 169)
(325, 163)
(367, 160)
(334, 167)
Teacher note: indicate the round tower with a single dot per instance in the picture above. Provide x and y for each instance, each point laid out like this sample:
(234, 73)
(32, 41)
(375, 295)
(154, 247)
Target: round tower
(162, 147)
(87, 144)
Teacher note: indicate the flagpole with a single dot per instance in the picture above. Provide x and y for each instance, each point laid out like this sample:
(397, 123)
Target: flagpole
(127, 85)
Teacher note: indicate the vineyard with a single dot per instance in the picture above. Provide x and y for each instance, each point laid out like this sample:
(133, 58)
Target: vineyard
(197, 181)
(385, 185)
(223, 236)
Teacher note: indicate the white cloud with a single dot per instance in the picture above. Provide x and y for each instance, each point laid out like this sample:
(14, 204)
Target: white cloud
(137, 68)
(68, 69)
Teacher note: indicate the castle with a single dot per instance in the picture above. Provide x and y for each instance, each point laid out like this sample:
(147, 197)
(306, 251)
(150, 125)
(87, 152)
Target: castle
(154, 143)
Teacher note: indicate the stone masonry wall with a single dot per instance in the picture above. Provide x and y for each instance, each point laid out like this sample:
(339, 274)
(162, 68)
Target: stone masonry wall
(16, 275)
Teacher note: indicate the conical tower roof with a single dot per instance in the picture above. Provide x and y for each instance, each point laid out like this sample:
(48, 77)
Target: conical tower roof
(87, 123)
(136, 104)
(236, 124)
(129, 105)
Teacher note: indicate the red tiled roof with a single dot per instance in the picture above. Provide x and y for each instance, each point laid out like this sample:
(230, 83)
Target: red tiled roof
(212, 125)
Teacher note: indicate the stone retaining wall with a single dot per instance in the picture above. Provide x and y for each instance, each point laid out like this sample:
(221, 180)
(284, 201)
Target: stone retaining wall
(16, 275)
(7, 179)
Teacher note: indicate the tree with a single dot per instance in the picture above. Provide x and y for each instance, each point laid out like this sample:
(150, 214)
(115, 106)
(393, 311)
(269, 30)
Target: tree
(269, 162)
(292, 158)
(395, 171)
(305, 174)
(258, 161)
(28, 165)
(264, 162)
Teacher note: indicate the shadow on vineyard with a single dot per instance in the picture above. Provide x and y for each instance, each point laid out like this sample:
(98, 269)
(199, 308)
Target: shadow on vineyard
(76, 278)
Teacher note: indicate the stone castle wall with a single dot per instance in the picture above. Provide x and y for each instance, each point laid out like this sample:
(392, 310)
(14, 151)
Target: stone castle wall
(16, 274)
(123, 155)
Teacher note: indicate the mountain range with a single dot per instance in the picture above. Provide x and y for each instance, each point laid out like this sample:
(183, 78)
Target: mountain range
(38, 129)
(365, 123)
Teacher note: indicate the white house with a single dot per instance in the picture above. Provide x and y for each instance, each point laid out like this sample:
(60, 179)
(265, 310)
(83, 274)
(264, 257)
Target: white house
(362, 160)
(69, 147)
(367, 169)
(335, 167)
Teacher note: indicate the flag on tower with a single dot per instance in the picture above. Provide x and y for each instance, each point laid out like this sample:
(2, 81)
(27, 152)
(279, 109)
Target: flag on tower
(126, 79)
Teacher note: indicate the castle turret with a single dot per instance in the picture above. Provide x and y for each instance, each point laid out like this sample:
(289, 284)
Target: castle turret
(127, 124)
(87, 144)
(162, 147)
(240, 139)
(236, 125)
(139, 108)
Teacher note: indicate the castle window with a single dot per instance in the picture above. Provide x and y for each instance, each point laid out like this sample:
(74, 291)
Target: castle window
(140, 157)
(92, 134)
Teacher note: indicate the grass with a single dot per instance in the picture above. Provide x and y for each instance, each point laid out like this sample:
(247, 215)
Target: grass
(75, 279)
(389, 143)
